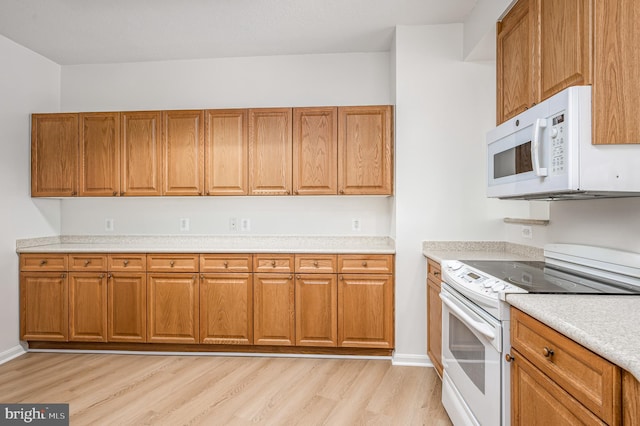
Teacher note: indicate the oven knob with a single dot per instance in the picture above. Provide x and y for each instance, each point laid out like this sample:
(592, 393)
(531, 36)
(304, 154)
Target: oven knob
(454, 266)
(498, 286)
(488, 283)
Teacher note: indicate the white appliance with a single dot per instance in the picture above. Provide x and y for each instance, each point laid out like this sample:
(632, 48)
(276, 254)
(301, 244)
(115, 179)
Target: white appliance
(475, 318)
(546, 153)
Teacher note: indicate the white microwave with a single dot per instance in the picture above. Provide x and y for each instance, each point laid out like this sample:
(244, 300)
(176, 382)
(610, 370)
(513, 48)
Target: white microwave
(546, 152)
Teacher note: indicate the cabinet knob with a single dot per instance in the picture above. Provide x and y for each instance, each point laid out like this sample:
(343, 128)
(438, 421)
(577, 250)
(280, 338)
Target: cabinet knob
(295, 192)
(290, 277)
(74, 193)
(171, 263)
(288, 192)
(63, 275)
(87, 262)
(364, 263)
(43, 262)
(297, 277)
(115, 193)
(125, 262)
(547, 352)
(341, 278)
(341, 191)
(436, 273)
(109, 276)
(208, 192)
(315, 263)
(101, 276)
(122, 193)
(509, 357)
(199, 192)
(273, 263)
(226, 264)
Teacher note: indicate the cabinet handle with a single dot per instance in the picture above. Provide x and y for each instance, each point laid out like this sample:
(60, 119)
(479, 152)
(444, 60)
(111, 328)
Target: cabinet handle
(208, 192)
(290, 277)
(125, 262)
(295, 192)
(273, 263)
(122, 193)
(315, 263)
(547, 352)
(74, 193)
(364, 263)
(436, 273)
(87, 262)
(199, 192)
(101, 276)
(63, 275)
(43, 262)
(226, 264)
(115, 193)
(171, 263)
(109, 276)
(341, 191)
(509, 357)
(297, 277)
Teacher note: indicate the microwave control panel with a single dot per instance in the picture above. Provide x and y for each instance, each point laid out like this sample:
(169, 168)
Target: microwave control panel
(558, 146)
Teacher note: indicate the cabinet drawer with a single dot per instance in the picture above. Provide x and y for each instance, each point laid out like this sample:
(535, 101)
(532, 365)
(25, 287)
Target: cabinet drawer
(276, 263)
(128, 262)
(434, 271)
(172, 262)
(87, 262)
(589, 378)
(43, 262)
(225, 263)
(316, 263)
(365, 264)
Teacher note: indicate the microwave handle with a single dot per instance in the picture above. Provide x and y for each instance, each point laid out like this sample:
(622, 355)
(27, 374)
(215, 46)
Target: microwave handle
(541, 124)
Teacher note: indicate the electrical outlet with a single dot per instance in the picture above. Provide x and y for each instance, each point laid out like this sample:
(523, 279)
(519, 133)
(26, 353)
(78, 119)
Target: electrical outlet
(184, 224)
(526, 232)
(356, 225)
(233, 224)
(245, 225)
(108, 225)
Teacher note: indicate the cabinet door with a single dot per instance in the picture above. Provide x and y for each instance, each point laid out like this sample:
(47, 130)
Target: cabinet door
(127, 304)
(315, 151)
(316, 310)
(566, 37)
(183, 148)
(141, 153)
(365, 150)
(270, 151)
(226, 309)
(54, 155)
(538, 400)
(516, 47)
(100, 154)
(365, 311)
(273, 309)
(44, 306)
(172, 308)
(227, 152)
(87, 307)
(434, 325)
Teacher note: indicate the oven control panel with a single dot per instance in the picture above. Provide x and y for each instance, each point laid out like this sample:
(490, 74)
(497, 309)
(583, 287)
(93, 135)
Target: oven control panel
(472, 282)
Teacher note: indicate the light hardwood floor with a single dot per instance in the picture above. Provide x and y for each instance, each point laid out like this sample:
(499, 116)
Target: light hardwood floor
(107, 389)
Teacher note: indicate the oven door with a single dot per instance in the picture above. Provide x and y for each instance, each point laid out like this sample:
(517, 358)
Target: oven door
(471, 356)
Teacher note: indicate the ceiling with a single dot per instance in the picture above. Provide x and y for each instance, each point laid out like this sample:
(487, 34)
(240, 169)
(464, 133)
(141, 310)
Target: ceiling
(110, 31)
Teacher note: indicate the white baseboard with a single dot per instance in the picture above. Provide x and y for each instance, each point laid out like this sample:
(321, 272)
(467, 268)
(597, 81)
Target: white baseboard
(411, 360)
(11, 353)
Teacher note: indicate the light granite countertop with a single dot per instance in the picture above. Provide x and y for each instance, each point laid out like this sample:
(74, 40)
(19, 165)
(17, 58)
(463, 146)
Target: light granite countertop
(479, 250)
(607, 325)
(207, 244)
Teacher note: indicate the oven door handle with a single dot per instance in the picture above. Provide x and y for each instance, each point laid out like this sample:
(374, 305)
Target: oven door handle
(481, 328)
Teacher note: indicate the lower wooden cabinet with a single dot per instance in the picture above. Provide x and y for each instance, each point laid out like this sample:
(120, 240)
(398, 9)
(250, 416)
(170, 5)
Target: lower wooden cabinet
(316, 310)
(273, 310)
(88, 307)
(127, 307)
(44, 306)
(173, 308)
(226, 308)
(434, 315)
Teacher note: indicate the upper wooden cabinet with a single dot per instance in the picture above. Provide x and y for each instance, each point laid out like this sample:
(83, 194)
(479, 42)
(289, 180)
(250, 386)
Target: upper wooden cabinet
(141, 153)
(183, 152)
(544, 46)
(54, 155)
(226, 152)
(270, 151)
(365, 150)
(99, 154)
(315, 151)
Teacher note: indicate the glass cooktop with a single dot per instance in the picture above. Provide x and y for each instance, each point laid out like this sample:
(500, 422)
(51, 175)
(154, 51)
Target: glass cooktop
(538, 277)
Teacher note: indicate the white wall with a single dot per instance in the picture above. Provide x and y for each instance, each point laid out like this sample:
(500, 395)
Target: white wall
(444, 107)
(28, 83)
(298, 80)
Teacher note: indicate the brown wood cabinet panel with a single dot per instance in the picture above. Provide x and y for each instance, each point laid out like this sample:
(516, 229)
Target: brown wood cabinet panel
(316, 310)
(43, 262)
(160, 262)
(226, 309)
(616, 86)
(273, 263)
(566, 43)
(141, 153)
(223, 263)
(516, 45)
(365, 150)
(183, 152)
(315, 151)
(538, 400)
(270, 151)
(87, 307)
(127, 307)
(127, 262)
(54, 155)
(44, 306)
(226, 152)
(630, 399)
(173, 308)
(590, 379)
(273, 310)
(365, 311)
(87, 262)
(99, 154)
(316, 263)
(434, 315)
(365, 264)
